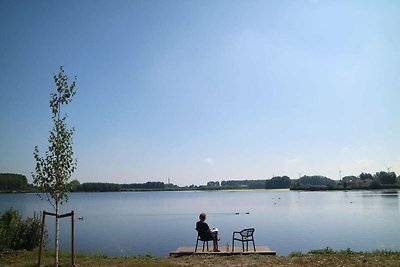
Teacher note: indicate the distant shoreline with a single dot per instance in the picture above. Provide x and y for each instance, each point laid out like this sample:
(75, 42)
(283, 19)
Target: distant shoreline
(215, 190)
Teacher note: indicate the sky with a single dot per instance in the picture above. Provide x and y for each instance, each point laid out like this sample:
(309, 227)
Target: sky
(198, 91)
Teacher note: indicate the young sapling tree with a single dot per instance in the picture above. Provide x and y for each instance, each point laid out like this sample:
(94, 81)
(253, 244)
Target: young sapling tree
(54, 169)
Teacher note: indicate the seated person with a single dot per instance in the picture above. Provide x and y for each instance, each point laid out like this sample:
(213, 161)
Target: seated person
(205, 233)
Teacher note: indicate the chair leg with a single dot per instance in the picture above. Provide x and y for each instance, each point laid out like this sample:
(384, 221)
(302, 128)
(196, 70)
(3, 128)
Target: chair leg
(247, 245)
(243, 246)
(207, 247)
(254, 245)
(197, 241)
(233, 245)
(203, 245)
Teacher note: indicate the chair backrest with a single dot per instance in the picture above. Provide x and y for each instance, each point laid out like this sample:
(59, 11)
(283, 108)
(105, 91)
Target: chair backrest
(247, 232)
(202, 230)
(201, 235)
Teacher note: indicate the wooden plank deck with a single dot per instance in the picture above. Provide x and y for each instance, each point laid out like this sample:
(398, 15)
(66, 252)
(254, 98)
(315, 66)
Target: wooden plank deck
(260, 250)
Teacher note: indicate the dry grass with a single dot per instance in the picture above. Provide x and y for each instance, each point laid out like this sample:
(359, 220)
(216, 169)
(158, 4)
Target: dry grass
(358, 259)
(29, 259)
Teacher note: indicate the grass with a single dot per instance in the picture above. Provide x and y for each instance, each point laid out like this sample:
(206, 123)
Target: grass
(323, 257)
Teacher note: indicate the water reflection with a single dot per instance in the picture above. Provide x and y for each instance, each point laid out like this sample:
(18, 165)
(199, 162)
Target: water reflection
(390, 193)
(382, 193)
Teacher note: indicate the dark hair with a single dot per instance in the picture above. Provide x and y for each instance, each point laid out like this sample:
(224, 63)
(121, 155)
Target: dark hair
(202, 216)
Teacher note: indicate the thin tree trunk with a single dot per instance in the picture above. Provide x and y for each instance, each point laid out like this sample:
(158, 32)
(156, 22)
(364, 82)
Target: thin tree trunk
(57, 182)
(56, 236)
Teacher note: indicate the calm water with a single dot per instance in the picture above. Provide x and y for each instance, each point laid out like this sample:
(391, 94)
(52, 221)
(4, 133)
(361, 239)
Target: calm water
(130, 223)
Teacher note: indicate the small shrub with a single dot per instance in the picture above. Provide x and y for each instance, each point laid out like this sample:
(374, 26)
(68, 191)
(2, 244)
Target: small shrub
(325, 251)
(30, 233)
(295, 254)
(16, 233)
(348, 251)
(148, 255)
(9, 224)
(384, 252)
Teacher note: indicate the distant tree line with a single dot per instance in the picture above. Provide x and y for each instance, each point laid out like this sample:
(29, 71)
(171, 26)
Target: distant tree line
(213, 184)
(99, 187)
(386, 177)
(13, 182)
(113, 187)
(315, 182)
(278, 182)
(368, 181)
(17, 182)
(147, 185)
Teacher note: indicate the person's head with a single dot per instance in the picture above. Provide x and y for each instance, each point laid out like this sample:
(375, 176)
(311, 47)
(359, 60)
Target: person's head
(202, 216)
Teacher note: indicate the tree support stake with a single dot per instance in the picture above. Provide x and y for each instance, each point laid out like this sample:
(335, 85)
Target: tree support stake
(72, 215)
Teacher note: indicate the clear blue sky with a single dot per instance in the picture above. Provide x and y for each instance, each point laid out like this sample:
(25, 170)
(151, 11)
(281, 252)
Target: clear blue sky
(205, 90)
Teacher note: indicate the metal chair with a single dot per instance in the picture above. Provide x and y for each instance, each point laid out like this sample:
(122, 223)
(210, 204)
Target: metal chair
(244, 236)
(204, 241)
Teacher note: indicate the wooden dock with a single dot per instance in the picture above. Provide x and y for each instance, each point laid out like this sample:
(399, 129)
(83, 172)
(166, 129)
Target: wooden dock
(260, 250)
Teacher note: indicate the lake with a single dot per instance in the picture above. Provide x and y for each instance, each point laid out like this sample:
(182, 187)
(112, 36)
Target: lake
(137, 223)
